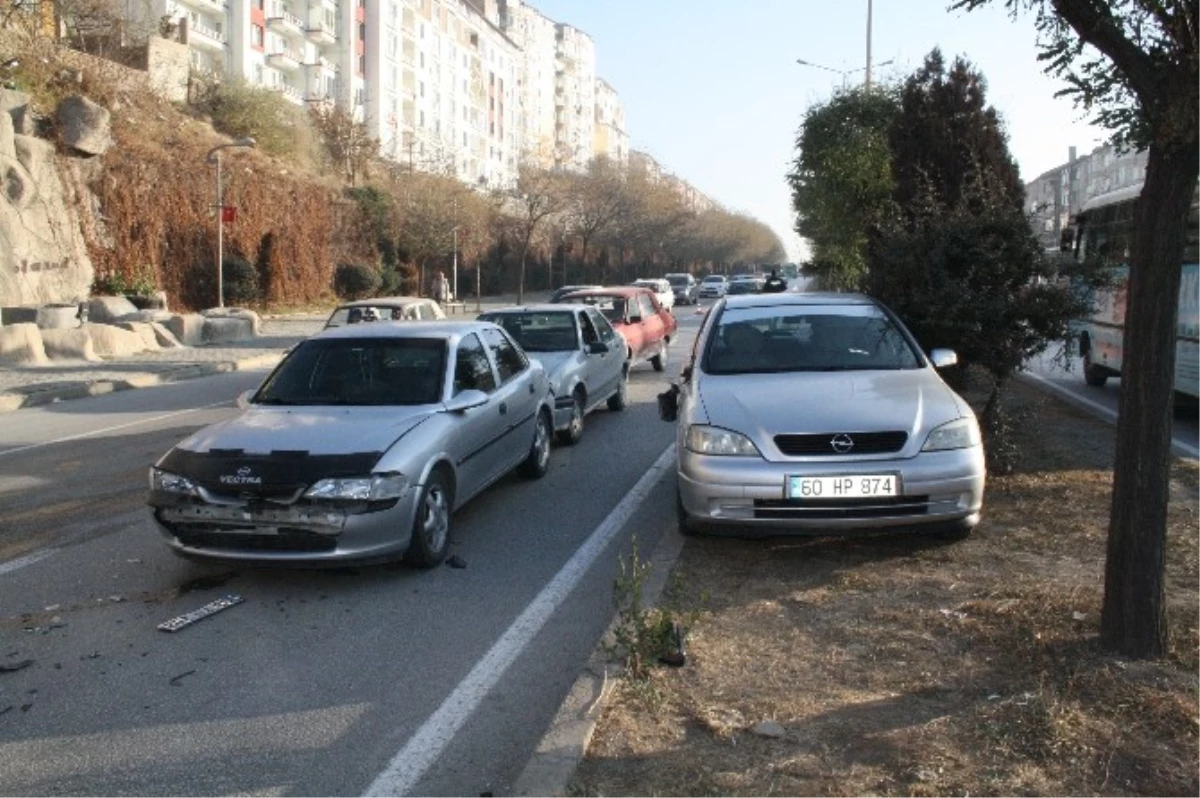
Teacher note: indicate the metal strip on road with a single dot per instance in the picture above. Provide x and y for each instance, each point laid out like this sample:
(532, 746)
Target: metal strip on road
(409, 766)
(1107, 413)
(95, 432)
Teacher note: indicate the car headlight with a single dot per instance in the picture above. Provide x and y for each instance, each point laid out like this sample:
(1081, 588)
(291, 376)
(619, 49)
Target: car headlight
(167, 482)
(962, 433)
(714, 440)
(376, 487)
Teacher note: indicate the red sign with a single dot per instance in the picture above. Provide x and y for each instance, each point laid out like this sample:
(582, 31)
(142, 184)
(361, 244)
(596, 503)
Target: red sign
(228, 213)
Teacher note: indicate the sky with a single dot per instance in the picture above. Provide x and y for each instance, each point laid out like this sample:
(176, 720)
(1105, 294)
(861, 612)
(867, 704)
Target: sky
(712, 90)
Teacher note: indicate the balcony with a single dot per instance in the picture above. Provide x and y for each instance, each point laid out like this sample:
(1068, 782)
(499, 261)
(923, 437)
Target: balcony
(207, 5)
(205, 37)
(291, 92)
(285, 60)
(321, 68)
(285, 22)
(320, 33)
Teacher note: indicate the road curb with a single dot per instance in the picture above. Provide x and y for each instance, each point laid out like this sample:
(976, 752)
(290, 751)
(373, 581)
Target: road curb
(81, 389)
(564, 745)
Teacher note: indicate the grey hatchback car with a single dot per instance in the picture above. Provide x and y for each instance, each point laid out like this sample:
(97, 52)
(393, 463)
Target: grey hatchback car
(818, 413)
(358, 446)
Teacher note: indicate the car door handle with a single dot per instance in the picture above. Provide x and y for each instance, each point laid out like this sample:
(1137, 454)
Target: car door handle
(503, 408)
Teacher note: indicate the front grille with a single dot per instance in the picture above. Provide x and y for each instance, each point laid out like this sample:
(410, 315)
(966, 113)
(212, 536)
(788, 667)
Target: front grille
(285, 540)
(841, 509)
(821, 444)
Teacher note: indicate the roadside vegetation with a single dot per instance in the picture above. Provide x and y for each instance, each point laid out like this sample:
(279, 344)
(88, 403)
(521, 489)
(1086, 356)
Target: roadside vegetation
(899, 665)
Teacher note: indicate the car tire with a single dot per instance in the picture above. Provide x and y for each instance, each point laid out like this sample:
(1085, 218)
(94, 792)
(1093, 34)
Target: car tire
(686, 527)
(620, 399)
(431, 525)
(574, 431)
(537, 462)
(659, 361)
(1093, 375)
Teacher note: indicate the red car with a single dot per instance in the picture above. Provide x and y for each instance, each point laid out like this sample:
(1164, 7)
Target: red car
(634, 312)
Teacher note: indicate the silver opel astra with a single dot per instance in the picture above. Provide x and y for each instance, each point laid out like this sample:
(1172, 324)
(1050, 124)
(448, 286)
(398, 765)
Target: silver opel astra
(358, 446)
(819, 413)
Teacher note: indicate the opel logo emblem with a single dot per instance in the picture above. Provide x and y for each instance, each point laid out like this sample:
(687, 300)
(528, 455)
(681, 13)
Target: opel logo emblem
(244, 471)
(841, 443)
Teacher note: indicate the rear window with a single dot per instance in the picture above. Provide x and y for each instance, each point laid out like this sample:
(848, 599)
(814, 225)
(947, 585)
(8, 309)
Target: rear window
(539, 332)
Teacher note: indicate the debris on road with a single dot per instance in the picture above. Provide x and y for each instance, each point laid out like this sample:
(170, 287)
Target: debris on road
(16, 666)
(174, 680)
(189, 618)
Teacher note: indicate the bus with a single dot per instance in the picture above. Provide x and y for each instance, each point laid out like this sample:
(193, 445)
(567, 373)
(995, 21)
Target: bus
(1104, 227)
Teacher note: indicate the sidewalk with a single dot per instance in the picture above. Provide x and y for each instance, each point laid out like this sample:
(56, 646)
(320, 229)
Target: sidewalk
(62, 380)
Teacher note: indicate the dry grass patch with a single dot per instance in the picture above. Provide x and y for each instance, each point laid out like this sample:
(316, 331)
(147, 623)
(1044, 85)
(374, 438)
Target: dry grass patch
(906, 666)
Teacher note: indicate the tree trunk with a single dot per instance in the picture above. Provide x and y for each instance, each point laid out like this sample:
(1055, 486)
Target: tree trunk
(521, 273)
(1133, 621)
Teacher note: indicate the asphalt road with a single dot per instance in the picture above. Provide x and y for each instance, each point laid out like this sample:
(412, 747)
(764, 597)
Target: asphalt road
(321, 682)
(1066, 380)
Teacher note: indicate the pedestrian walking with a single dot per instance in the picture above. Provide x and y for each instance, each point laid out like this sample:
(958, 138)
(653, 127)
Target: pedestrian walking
(440, 288)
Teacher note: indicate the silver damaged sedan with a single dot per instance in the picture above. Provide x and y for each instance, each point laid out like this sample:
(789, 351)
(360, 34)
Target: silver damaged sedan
(819, 413)
(583, 355)
(358, 447)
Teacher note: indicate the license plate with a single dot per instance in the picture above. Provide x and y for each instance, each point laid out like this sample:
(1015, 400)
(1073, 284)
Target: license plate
(858, 486)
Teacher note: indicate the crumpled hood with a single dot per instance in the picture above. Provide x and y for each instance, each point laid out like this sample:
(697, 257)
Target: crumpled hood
(764, 405)
(317, 430)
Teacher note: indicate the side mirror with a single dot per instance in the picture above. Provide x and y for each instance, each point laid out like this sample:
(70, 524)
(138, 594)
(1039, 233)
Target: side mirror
(668, 403)
(467, 400)
(685, 373)
(941, 358)
(243, 400)
(597, 348)
(635, 319)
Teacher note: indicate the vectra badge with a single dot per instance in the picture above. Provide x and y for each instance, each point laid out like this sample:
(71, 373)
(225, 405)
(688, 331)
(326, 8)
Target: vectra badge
(244, 476)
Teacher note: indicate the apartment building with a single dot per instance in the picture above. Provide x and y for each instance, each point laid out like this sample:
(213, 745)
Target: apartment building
(1056, 195)
(466, 87)
(308, 50)
(442, 82)
(691, 197)
(537, 37)
(612, 141)
(575, 98)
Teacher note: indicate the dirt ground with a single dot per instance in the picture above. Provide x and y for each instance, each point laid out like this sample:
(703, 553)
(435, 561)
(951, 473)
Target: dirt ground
(905, 666)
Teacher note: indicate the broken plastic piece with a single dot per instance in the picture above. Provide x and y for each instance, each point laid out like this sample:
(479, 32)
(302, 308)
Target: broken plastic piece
(189, 618)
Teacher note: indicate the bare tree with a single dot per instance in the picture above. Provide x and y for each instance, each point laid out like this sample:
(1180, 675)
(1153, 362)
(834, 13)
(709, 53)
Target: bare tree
(348, 142)
(535, 197)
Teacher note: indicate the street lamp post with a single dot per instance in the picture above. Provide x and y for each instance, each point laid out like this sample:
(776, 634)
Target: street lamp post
(845, 73)
(214, 157)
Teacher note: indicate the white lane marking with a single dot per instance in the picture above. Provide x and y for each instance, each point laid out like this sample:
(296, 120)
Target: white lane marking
(28, 559)
(1108, 413)
(95, 432)
(409, 766)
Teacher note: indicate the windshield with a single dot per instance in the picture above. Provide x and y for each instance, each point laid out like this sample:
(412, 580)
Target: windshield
(714, 279)
(538, 332)
(677, 279)
(359, 371)
(807, 338)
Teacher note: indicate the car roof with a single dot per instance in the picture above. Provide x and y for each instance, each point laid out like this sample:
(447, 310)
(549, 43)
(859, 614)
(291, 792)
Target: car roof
(624, 291)
(405, 329)
(715, 277)
(798, 299)
(536, 307)
(385, 301)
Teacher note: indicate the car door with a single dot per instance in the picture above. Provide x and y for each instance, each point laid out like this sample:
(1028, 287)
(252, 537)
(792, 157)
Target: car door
(652, 324)
(481, 430)
(602, 370)
(516, 393)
